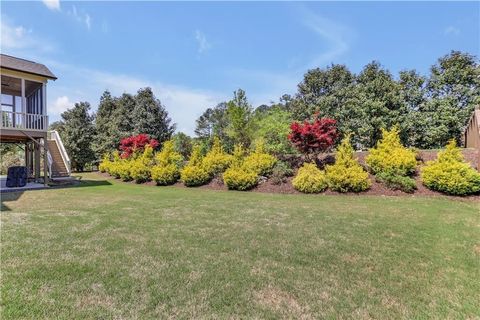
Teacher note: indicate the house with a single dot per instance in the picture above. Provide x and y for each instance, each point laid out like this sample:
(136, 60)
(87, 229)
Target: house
(24, 118)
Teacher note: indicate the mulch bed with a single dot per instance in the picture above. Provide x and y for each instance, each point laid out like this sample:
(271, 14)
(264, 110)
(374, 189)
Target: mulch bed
(266, 186)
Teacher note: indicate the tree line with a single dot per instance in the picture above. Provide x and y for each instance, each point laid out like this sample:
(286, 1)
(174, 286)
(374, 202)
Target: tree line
(429, 110)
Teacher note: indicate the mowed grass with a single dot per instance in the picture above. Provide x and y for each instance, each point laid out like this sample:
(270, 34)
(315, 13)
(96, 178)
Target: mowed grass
(113, 250)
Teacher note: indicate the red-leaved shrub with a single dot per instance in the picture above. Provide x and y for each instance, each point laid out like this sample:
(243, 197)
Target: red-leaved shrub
(313, 137)
(134, 144)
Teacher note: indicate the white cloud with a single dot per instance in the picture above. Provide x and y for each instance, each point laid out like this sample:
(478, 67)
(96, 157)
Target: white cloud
(16, 39)
(81, 17)
(60, 105)
(451, 30)
(203, 44)
(334, 34)
(52, 4)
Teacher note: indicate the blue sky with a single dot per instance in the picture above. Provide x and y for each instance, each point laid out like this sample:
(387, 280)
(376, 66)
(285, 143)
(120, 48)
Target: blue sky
(196, 54)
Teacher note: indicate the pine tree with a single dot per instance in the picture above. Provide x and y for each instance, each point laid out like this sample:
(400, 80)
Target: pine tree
(78, 135)
(150, 117)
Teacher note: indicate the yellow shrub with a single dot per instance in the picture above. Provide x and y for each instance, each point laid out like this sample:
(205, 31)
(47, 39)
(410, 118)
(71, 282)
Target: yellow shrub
(105, 163)
(346, 174)
(168, 155)
(123, 170)
(169, 162)
(216, 160)
(194, 175)
(141, 166)
(259, 161)
(390, 156)
(310, 179)
(238, 178)
(450, 173)
(165, 175)
(239, 154)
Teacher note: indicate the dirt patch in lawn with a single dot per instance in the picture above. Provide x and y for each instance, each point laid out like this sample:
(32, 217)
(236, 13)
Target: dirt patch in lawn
(281, 302)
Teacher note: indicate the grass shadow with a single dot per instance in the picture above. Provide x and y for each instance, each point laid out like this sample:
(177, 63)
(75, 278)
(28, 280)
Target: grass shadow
(9, 196)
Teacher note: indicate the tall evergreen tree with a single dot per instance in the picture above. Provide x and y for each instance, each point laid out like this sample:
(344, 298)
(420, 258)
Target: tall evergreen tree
(79, 134)
(150, 117)
(240, 113)
(105, 140)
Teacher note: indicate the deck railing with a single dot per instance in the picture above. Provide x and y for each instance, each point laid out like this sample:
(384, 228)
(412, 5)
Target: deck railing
(24, 121)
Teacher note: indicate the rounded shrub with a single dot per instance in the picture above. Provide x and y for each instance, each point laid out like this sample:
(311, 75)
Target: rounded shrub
(193, 176)
(105, 163)
(391, 156)
(123, 170)
(259, 161)
(141, 166)
(450, 174)
(168, 164)
(310, 179)
(166, 175)
(347, 174)
(239, 178)
(216, 160)
(280, 172)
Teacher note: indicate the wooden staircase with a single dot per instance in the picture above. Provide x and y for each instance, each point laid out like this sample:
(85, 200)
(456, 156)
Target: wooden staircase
(58, 165)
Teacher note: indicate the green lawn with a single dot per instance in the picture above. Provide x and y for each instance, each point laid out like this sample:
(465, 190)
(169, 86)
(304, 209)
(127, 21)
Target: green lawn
(114, 250)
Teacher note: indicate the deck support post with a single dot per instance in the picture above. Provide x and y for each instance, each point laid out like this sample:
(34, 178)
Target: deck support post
(45, 162)
(37, 162)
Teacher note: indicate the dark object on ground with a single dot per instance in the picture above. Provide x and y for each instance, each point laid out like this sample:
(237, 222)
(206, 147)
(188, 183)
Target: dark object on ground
(16, 177)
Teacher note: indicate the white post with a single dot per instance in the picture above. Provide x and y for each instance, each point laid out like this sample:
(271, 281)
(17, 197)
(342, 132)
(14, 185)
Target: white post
(44, 96)
(24, 103)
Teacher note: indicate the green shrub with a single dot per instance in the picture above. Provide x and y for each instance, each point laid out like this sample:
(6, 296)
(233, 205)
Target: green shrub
(310, 179)
(280, 172)
(259, 161)
(397, 182)
(166, 175)
(216, 160)
(194, 175)
(347, 174)
(239, 178)
(450, 174)
(391, 156)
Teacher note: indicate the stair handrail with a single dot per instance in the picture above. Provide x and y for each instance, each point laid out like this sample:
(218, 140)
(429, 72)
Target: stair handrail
(58, 140)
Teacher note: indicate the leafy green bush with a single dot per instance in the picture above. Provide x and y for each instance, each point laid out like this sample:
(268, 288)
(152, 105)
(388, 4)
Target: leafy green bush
(397, 182)
(216, 160)
(259, 161)
(194, 175)
(347, 174)
(273, 127)
(310, 179)
(391, 156)
(239, 178)
(450, 173)
(280, 172)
